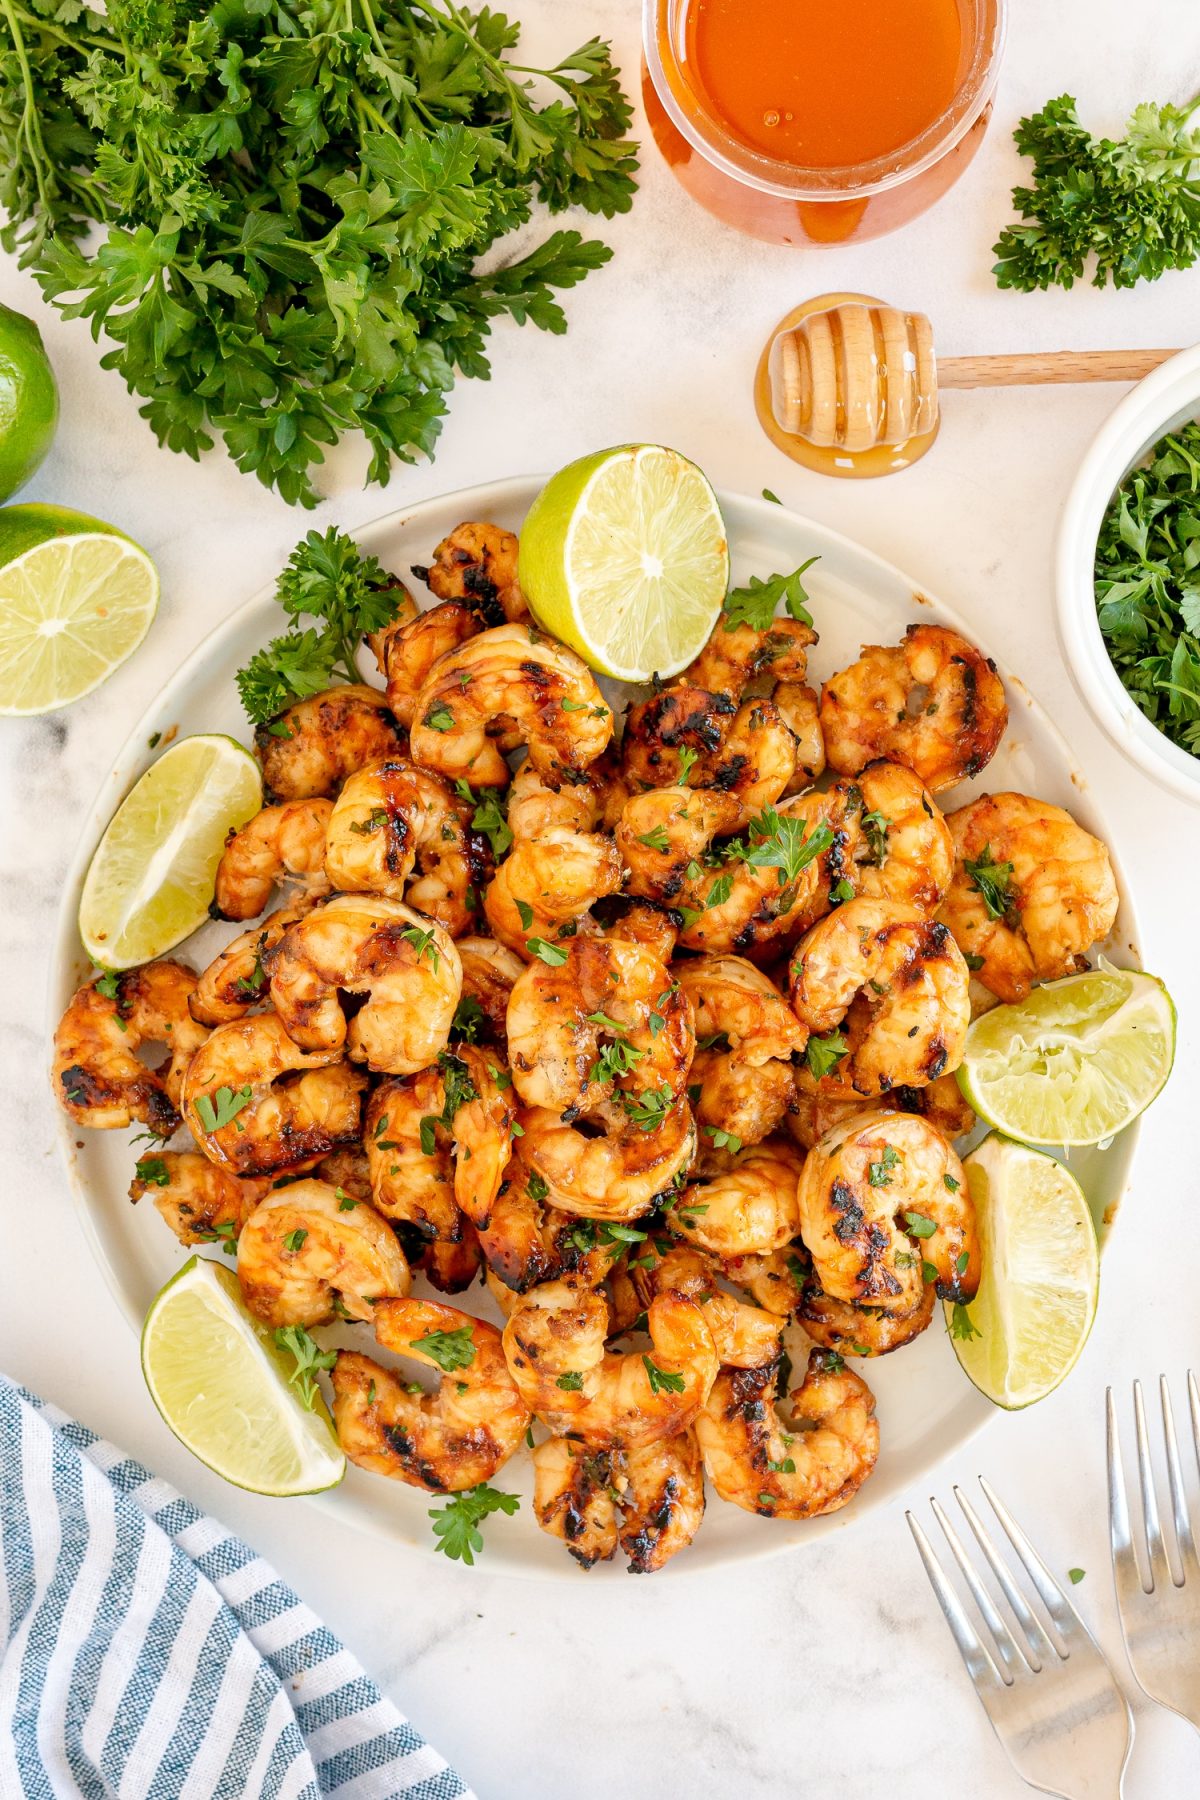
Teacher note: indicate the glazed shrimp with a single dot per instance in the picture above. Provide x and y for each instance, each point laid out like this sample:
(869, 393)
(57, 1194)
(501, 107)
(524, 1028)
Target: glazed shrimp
(346, 1169)
(906, 851)
(745, 1336)
(737, 1004)
(538, 804)
(309, 750)
(489, 971)
(756, 763)
(550, 881)
(452, 1439)
(407, 649)
(477, 563)
(736, 1102)
(451, 1265)
(765, 1468)
(399, 831)
(646, 1145)
(510, 674)
(483, 1112)
(932, 702)
(406, 965)
(752, 1207)
(98, 1077)
(879, 1197)
(257, 1104)
(238, 979)
(813, 1111)
(664, 835)
(304, 1256)
(409, 1153)
(648, 1498)
(607, 1017)
(860, 1330)
(280, 844)
(898, 983)
(559, 1330)
(1032, 891)
(200, 1202)
(799, 707)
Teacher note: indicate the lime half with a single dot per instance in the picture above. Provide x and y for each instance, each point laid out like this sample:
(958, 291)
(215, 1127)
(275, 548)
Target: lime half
(151, 879)
(1023, 1332)
(1075, 1062)
(218, 1380)
(28, 400)
(76, 598)
(624, 557)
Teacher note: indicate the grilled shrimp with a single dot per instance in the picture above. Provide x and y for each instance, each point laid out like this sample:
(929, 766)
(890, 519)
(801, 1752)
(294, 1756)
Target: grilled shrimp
(799, 707)
(645, 1146)
(257, 1104)
(509, 677)
(745, 1336)
(906, 851)
(758, 1464)
(399, 831)
(664, 836)
(737, 655)
(409, 1155)
(878, 1198)
(554, 1341)
(98, 1077)
(607, 1016)
(648, 924)
(860, 1330)
(346, 1169)
(304, 1255)
(237, 980)
(200, 1202)
(483, 1112)
(734, 1101)
(813, 1111)
(1032, 891)
(407, 649)
(649, 1498)
(477, 563)
(446, 1441)
(737, 1004)
(897, 982)
(540, 803)
(280, 844)
(451, 1266)
(932, 702)
(407, 967)
(750, 1208)
(311, 748)
(489, 970)
(550, 881)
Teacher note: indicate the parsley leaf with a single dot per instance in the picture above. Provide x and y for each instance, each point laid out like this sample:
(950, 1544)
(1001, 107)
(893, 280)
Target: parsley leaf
(757, 603)
(228, 1105)
(823, 1054)
(918, 1225)
(961, 1324)
(450, 1350)
(309, 1357)
(550, 954)
(153, 1171)
(991, 881)
(662, 1381)
(456, 1525)
(489, 817)
(780, 843)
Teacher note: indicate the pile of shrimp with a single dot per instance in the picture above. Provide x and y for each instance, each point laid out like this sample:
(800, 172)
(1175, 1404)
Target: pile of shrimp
(645, 1033)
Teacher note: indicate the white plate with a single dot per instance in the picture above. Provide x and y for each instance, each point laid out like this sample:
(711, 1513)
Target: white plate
(927, 1408)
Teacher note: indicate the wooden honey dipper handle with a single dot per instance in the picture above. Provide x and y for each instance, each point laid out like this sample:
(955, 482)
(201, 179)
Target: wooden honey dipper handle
(1048, 366)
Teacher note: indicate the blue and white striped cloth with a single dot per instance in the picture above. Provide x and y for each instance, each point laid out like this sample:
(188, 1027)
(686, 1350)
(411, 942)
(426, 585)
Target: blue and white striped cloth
(146, 1654)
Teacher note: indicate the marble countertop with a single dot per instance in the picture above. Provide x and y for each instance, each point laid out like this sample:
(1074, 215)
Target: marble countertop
(828, 1670)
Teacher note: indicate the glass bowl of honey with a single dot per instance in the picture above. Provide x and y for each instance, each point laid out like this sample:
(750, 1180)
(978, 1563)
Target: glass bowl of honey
(820, 122)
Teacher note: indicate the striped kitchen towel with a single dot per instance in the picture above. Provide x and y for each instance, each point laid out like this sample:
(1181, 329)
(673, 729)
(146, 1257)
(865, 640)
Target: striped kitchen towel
(144, 1652)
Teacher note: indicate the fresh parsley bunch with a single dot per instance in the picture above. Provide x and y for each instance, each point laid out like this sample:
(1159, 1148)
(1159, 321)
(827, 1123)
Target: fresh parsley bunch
(293, 199)
(1134, 205)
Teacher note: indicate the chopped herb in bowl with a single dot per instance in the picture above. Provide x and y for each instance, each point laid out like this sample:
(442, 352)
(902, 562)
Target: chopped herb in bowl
(1148, 585)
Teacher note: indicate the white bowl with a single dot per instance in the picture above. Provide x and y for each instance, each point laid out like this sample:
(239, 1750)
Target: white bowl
(1164, 400)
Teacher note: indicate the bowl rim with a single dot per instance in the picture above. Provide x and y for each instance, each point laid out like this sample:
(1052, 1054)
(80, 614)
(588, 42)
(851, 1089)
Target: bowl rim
(1159, 403)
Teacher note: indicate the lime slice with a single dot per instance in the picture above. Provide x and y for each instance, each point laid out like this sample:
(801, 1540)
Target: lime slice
(1075, 1062)
(76, 598)
(218, 1380)
(1041, 1274)
(151, 879)
(624, 557)
(28, 400)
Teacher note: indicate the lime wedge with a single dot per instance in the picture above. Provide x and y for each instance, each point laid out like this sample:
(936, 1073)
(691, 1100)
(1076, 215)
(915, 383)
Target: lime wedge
(151, 879)
(1041, 1274)
(76, 598)
(221, 1385)
(1075, 1062)
(624, 557)
(28, 400)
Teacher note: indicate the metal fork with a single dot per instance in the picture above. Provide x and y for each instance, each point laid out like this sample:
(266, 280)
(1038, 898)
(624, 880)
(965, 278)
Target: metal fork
(1050, 1695)
(1158, 1594)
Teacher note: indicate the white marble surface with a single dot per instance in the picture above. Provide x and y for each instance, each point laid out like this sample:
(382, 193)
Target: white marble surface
(829, 1671)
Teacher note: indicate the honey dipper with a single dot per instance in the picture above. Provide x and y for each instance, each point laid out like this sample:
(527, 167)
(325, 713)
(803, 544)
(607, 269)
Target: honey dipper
(849, 385)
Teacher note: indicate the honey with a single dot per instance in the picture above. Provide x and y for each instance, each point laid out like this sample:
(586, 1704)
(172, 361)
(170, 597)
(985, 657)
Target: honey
(824, 83)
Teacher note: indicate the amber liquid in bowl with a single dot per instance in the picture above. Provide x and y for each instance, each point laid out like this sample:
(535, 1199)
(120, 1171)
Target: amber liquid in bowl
(817, 85)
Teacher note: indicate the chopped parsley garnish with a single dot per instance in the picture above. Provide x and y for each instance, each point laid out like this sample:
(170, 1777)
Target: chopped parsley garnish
(153, 1171)
(687, 762)
(309, 1357)
(489, 817)
(294, 1240)
(550, 954)
(991, 881)
(450, 1350)
(961, 1324)
(757, 603)
(469, 1020)
(1075, 1576)
(656, 839)
(224, 1233)
(719, 892)
(424, 943)
(456, 1525)
(662, 1380)
(918, 1225)
(949, 1182)
(571, 1381)
(536, 1186)
(615, 1059)
(879, 1174)
(228, 1105)
(823, 1054)
(439, 718)
(780, 843)
(650, 1108)
(375, 820)
(724, 1140)
(876, 828)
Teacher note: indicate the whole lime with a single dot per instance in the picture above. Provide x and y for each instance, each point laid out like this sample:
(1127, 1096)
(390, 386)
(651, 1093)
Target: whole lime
(28, 400)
